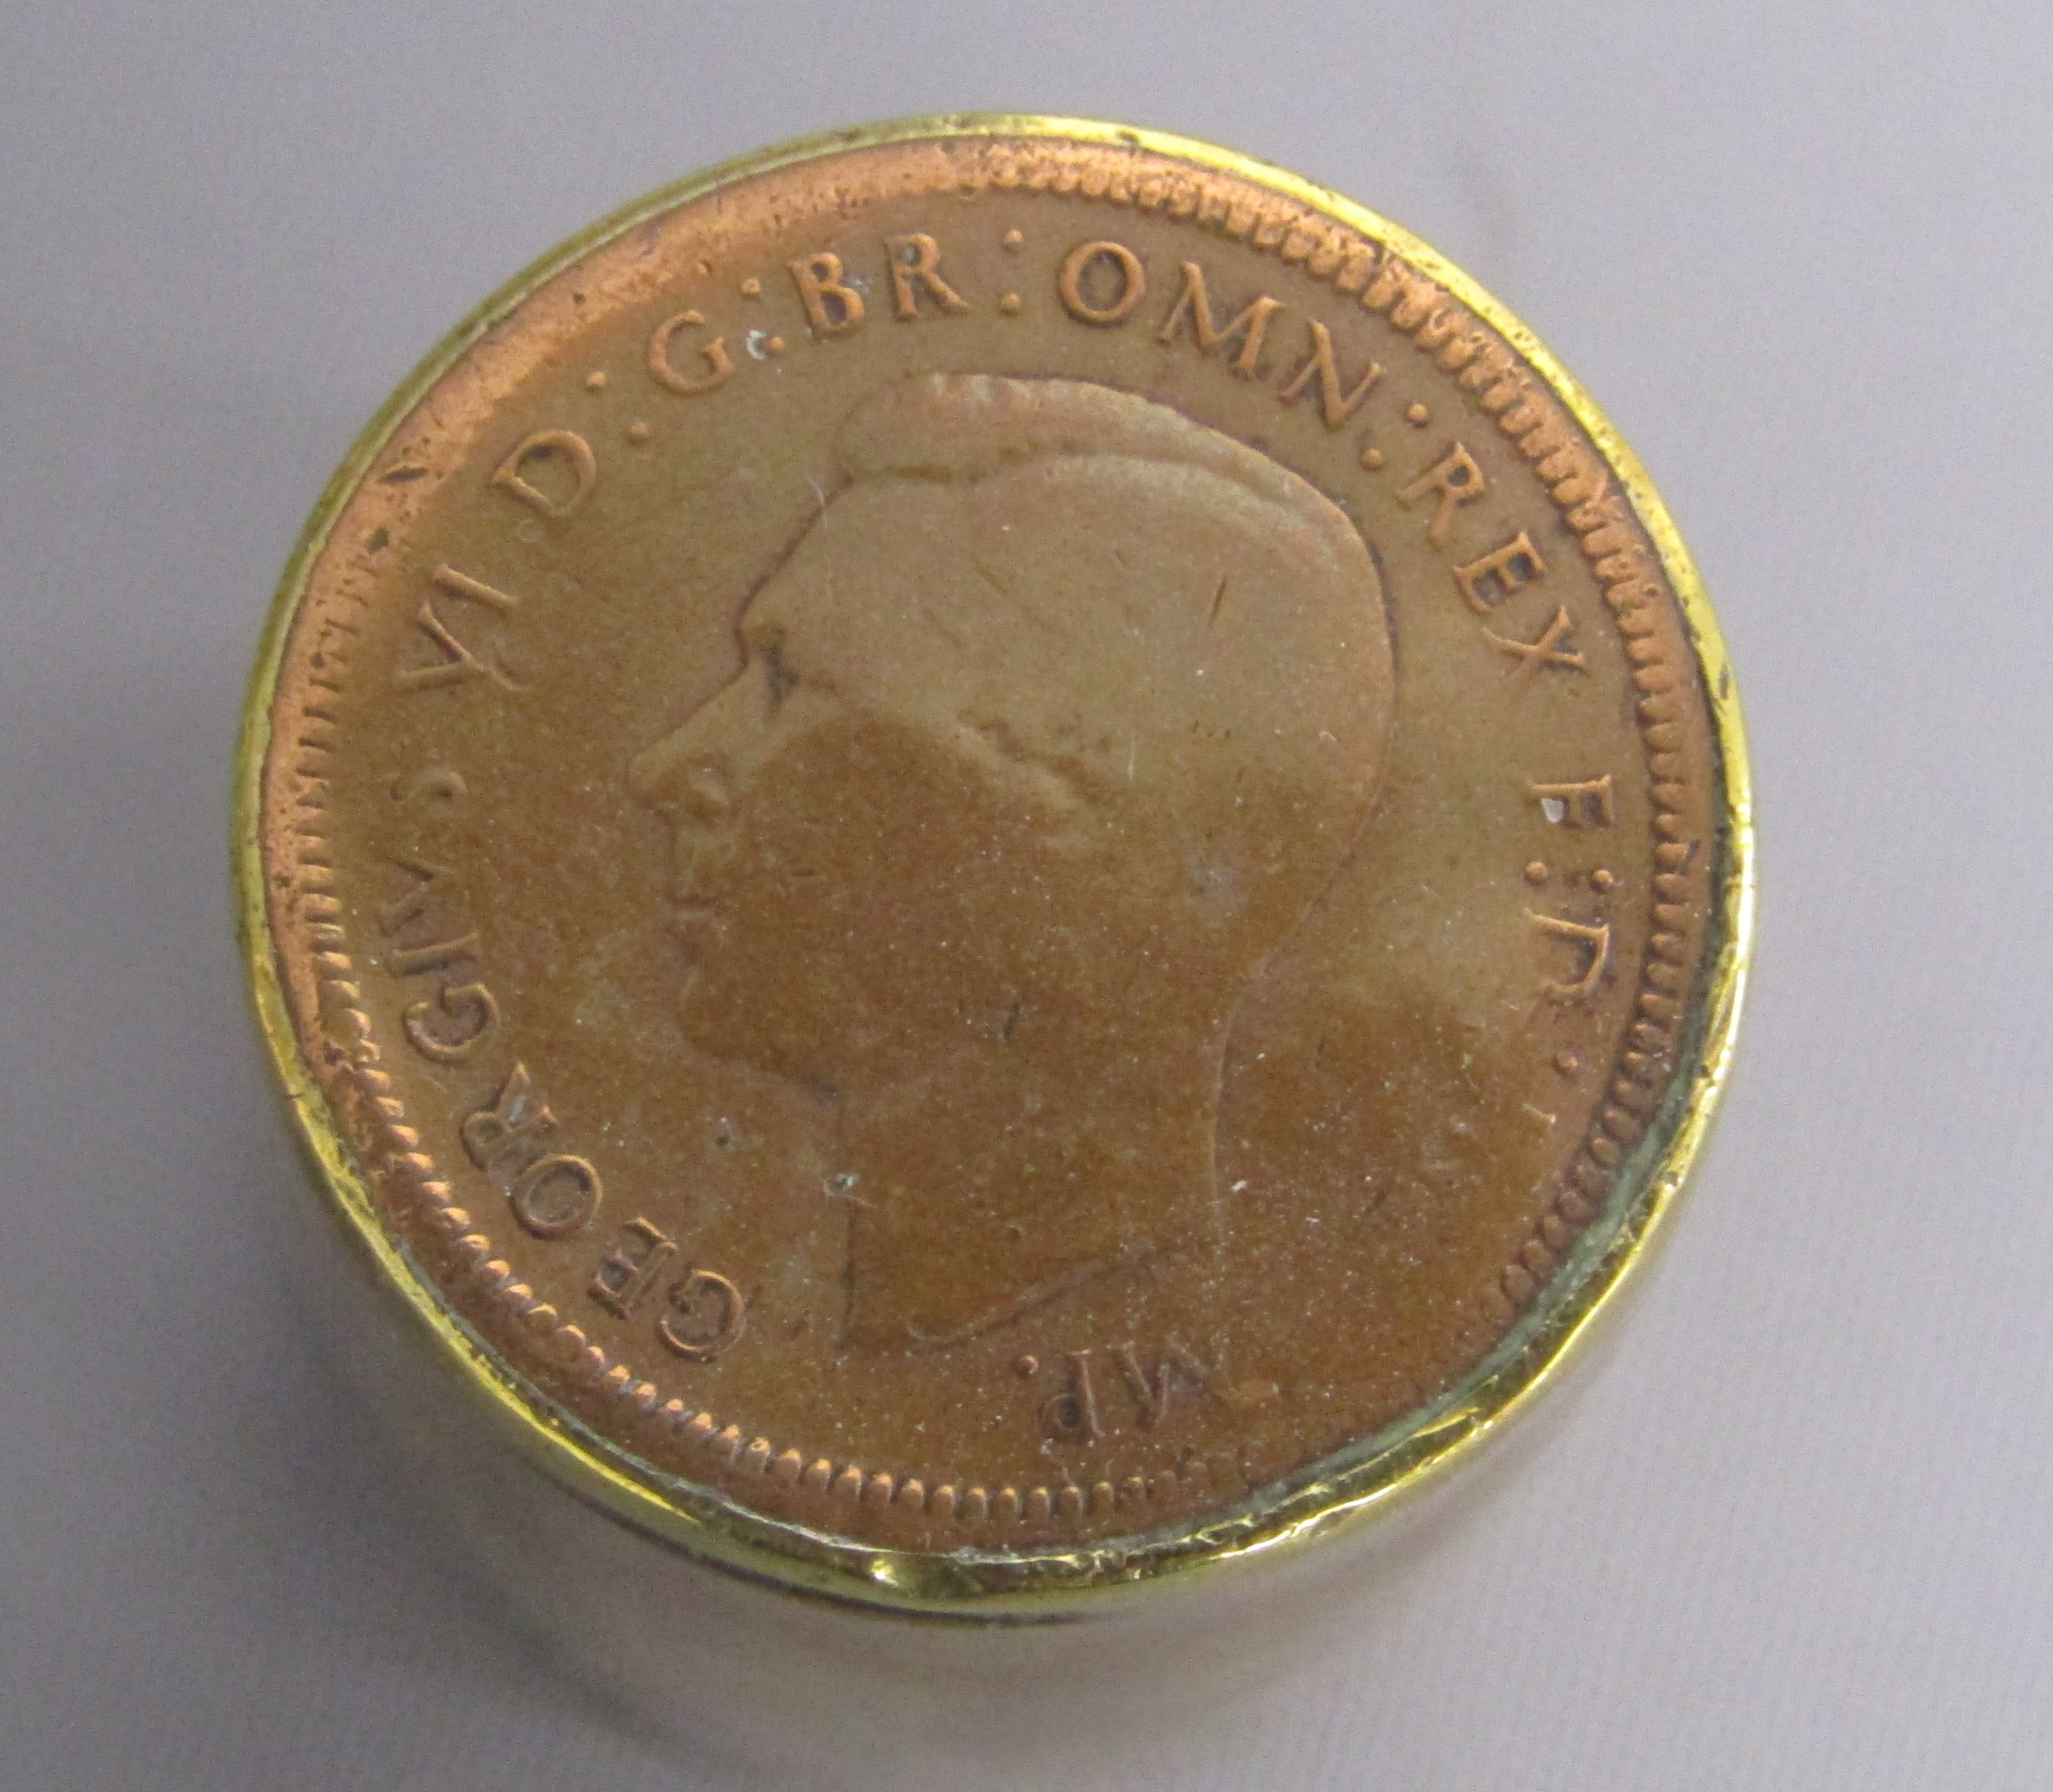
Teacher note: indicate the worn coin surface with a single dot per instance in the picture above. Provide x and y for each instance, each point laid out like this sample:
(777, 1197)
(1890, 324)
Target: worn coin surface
(994, 855)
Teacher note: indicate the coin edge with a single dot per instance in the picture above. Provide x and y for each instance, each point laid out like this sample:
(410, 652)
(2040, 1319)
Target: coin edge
(956, 1584)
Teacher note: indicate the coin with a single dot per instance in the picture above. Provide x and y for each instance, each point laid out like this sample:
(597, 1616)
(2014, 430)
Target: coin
(994, 855)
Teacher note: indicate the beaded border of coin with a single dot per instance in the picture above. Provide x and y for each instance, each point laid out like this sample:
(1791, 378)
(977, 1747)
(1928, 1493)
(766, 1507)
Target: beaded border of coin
(1578, 483)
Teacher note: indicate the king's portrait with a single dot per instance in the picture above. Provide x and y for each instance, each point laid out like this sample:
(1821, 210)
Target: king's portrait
(1049, 730)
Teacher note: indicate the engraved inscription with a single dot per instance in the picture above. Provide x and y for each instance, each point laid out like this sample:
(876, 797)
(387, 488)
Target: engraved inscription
(549, 456)
(1593, 945)
(1336, 403)
(433, 912)
(1248, 327)
(1101, 282)
(833, 307)
(449, 1029)
(629, 1272)
(462, 584)
(458, 664)
(415, 961)
(1584, 804)
(1452, 480)
(707, 1317)
(1177, 1375)
(1071, 1415)
(916, 273)
(429, 925)
(509, 1134)
(1486, 581)
(433, 888)
(1552, 648)
(552, 1193)
(555, 1195)
(1092, 1401)
(662, 362)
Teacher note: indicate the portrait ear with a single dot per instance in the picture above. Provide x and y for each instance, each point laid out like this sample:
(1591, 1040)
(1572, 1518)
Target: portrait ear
(1046, 791)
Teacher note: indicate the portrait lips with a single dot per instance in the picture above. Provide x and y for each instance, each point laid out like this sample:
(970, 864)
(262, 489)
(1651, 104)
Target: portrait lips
(693, 916)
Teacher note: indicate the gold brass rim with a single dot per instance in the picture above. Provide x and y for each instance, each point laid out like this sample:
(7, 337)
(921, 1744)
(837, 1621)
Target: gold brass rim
(1368, 1477)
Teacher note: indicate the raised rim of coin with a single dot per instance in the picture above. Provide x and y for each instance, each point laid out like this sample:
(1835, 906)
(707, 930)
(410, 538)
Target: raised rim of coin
(1366, 1477)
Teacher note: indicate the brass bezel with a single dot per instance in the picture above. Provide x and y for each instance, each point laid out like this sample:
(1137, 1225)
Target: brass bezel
(1368, 1477)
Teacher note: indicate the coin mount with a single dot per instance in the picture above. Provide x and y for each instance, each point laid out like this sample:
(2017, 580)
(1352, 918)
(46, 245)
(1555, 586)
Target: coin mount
(1266, 949)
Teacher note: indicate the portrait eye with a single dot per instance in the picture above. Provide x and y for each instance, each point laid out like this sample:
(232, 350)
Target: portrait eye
(780, 676)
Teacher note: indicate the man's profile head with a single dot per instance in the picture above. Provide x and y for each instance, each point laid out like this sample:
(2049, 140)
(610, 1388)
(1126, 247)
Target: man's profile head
(1049, 729)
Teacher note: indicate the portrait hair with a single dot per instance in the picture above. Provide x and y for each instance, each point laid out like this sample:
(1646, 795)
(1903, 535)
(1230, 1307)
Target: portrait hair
(1160, 632)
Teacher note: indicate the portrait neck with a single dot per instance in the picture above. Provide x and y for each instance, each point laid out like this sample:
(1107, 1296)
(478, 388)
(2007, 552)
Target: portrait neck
(1019, 1169)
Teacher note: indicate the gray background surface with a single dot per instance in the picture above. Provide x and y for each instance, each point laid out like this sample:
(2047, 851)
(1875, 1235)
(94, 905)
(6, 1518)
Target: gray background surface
(1791, 1529)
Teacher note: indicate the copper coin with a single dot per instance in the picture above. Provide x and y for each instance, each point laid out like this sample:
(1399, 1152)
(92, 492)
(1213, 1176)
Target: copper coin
(994, 854)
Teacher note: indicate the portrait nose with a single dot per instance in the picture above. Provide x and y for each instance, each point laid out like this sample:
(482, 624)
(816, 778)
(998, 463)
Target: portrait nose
(684, 776)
